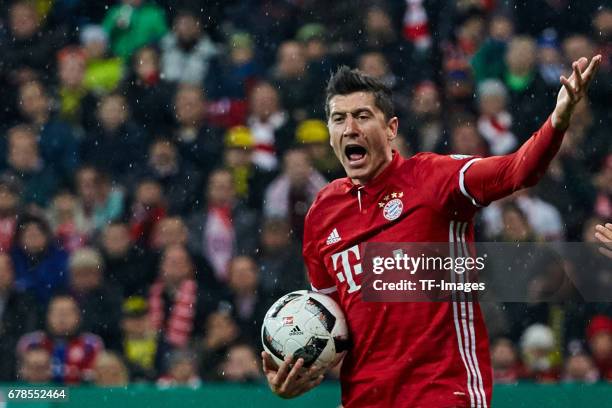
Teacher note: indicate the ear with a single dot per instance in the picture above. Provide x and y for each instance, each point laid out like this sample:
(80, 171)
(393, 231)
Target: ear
(392, 126)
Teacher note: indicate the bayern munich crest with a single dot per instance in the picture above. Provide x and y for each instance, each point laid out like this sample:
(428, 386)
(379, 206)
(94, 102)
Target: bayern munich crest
(392, 206)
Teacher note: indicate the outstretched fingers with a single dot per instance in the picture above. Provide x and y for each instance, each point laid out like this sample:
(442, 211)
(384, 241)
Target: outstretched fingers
(569, 88)
(591, 70)
(577, 74)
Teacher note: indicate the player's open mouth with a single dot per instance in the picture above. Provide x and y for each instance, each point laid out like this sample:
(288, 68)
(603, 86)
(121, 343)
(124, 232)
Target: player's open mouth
(355, 153)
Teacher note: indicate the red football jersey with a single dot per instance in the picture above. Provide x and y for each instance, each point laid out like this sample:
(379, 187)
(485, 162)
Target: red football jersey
(423, 354)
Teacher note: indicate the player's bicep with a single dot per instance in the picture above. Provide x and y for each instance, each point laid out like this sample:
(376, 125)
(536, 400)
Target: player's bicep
(446, 179)
(320, 279)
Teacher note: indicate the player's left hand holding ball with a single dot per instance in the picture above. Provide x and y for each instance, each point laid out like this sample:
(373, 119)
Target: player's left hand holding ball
(291, 380)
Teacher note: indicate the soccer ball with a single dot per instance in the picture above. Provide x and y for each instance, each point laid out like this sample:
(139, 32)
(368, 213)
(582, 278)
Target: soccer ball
(306, 325)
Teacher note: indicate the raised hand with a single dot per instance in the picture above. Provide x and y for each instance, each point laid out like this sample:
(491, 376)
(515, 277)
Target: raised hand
(287, 381)
(573, 90)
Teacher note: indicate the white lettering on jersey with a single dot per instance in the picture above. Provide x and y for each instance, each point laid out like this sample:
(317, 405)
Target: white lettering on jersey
(348, 272)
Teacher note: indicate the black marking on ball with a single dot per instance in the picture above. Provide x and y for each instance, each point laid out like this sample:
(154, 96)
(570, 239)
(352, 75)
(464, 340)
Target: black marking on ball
(272, 345)
(288, 298)
(327, 319)
(311, 351)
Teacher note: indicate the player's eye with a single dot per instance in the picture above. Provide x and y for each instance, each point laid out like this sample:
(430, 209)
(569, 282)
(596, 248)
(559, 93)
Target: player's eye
(338, 119)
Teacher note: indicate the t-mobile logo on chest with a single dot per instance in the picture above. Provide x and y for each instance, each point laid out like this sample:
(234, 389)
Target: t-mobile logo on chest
(345, 272)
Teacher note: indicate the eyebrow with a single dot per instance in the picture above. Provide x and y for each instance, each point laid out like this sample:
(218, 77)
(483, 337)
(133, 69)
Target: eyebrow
(355, 112)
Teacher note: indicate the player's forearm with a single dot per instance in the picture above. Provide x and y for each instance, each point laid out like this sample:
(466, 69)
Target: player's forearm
(495, 177)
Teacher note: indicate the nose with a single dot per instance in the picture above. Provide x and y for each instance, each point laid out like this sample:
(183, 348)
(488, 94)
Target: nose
(351, 128)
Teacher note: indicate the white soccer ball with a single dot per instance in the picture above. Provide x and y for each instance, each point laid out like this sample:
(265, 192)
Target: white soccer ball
(305, 324)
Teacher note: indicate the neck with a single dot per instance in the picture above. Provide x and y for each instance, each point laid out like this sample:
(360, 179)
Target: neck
(368, 178)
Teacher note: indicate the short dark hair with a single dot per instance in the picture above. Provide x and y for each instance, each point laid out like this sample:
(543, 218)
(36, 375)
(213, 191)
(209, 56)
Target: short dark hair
(346, 81)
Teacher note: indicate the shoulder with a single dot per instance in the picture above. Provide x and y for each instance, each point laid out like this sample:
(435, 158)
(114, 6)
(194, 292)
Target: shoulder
(330, 193)
(428, 163)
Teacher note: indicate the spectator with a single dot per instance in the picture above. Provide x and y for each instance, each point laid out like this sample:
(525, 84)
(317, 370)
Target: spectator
(10, 203)
(40, 266)
(223, 228)
(220, 332)
(99, 302)
(292, 192)
(101, 202)
(67, 221)
(35, 366)
(27, 168)
(140, 343)
(465, 139)
(199, 144)
(76, 103)
(102, 71)
(58, 145)
(250, 301)
(148, 208)
(422, 118)
(241, 365)
(523, 82)
(281, 267)
(61, 338)
(507, 367)
(580, 368)
(127, 266)
(234, 74)
(599, 337)
(110, 371)
(314, 136)
(31, 47)
(603, 183)
(147, 92)
(18, 315)
(515, 226)
(375, 64)
(132, 24)
(537, 345)
(321, 59)
(186, 51)
(495, 122)
(567, 183)
(180, 181)
(250, 180)
(541, 218)
(488, 62)
(114, 147)
(172, 230)
(270, 126)
(296, 90)
(182, 371)
(169, 231)
(550, 60)
(175, 303)
(380, 36)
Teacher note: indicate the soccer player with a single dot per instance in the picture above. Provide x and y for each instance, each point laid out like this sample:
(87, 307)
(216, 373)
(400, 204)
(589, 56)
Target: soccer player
(408, 354)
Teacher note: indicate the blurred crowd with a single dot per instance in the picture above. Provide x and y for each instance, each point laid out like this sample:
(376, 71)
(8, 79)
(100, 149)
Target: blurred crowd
(157, 160)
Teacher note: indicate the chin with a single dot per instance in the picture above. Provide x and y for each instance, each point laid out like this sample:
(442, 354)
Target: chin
(357, 173)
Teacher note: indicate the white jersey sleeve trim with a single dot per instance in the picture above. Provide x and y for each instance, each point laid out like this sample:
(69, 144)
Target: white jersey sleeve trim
(462, 181)
(325, 291)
